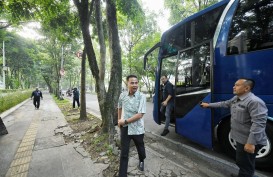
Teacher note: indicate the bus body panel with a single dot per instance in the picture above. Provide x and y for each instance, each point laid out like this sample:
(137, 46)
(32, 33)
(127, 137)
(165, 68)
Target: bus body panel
(229, 68)
(156, 100)
(201, 119)
(198, 124)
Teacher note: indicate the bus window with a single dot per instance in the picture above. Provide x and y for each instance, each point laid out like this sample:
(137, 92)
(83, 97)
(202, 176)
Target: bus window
(205, 25)
(193, 72)
(193, 78)
(252, 27)
(168, 68)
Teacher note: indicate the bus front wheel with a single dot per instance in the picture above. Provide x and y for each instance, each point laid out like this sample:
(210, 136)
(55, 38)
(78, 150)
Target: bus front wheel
(264, 157)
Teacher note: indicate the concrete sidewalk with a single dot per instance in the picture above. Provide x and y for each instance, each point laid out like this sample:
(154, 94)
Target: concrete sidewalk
(33, 147)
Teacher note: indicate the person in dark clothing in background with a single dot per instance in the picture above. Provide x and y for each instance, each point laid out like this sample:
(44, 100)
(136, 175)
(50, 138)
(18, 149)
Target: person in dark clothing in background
(37, 94)
(76, 97)
(167, 104)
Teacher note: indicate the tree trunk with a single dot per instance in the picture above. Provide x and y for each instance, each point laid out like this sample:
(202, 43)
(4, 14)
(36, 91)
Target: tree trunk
(101, 38)
(83, 115)
(116, 67)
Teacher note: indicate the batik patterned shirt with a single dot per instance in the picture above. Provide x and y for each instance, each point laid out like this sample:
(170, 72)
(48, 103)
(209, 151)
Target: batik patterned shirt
(131, 105)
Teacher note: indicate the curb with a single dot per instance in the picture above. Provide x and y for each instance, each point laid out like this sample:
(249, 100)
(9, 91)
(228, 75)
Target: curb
(9, 111)
(216, 162)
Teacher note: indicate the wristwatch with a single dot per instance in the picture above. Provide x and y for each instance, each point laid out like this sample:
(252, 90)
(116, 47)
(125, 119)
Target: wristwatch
(125, 122)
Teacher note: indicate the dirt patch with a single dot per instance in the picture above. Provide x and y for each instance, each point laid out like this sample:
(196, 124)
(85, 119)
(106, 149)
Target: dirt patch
(87, 133)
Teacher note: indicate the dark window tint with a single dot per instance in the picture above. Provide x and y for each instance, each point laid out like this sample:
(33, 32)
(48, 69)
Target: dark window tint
(193, 70)
(192, 33)
(252, 27)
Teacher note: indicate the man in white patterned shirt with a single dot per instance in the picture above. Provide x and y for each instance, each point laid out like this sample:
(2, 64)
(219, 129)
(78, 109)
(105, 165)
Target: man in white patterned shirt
(131, 108)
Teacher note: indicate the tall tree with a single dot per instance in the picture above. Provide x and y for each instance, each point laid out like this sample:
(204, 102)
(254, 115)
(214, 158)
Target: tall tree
(106, 106)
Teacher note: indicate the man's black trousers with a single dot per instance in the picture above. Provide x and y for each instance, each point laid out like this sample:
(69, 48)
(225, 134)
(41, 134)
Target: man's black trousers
(76, 100)
(125, 146)
(246, 161)
(36, 103)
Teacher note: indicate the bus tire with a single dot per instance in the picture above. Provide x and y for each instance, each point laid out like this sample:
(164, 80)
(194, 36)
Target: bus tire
(264, 157)
(223, 138)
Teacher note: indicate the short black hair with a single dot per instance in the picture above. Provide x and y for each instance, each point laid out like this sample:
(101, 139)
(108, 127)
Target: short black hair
(130, 76)
(164, 75)
(249, 82)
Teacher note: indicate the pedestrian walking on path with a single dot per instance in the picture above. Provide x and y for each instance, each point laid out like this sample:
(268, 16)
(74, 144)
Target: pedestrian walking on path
(167, 104)
(37, 94)
(76, 97)
(131, 108)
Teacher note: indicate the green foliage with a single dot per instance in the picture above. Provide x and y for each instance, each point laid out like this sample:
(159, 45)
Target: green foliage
(8, 100)
(136, 39)
(21, 57)
(131, 9)
(180, 10)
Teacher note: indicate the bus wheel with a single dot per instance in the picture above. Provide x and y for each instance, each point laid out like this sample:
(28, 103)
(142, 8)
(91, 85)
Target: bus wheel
(228, 145)
(264, 157)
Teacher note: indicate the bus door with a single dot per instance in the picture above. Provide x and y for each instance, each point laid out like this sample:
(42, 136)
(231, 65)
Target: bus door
(192, 85)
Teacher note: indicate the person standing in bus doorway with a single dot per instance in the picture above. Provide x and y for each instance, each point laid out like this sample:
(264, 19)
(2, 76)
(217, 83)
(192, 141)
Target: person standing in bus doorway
(167, 104)
(76, 97)
(131, 108)
(37, 94)
(248, 122)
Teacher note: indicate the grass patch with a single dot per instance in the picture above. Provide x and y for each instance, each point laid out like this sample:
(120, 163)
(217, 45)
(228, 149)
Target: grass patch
(10, 99)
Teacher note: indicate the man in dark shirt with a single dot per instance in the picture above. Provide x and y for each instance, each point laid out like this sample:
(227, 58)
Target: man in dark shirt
(167, 104)
(248, 122)
(76, 97)
(37, 94)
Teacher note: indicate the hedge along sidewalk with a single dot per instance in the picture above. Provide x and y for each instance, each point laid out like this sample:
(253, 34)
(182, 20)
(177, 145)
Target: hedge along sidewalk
(10, 100)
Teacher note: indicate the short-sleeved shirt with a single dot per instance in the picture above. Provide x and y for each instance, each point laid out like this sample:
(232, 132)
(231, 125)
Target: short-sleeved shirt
(131, 105)
(248, 118)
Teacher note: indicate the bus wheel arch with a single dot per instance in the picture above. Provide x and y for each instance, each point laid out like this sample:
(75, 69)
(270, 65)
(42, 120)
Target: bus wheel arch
(228, 145)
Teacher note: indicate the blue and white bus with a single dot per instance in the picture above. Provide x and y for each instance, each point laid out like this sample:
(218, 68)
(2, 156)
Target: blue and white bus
(203, 56)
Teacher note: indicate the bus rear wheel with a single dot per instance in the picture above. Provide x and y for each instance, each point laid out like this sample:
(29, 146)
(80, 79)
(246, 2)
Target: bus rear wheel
(264, 157)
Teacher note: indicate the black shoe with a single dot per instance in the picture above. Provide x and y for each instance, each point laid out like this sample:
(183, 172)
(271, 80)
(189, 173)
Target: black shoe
(141, 166)
(165, 132)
